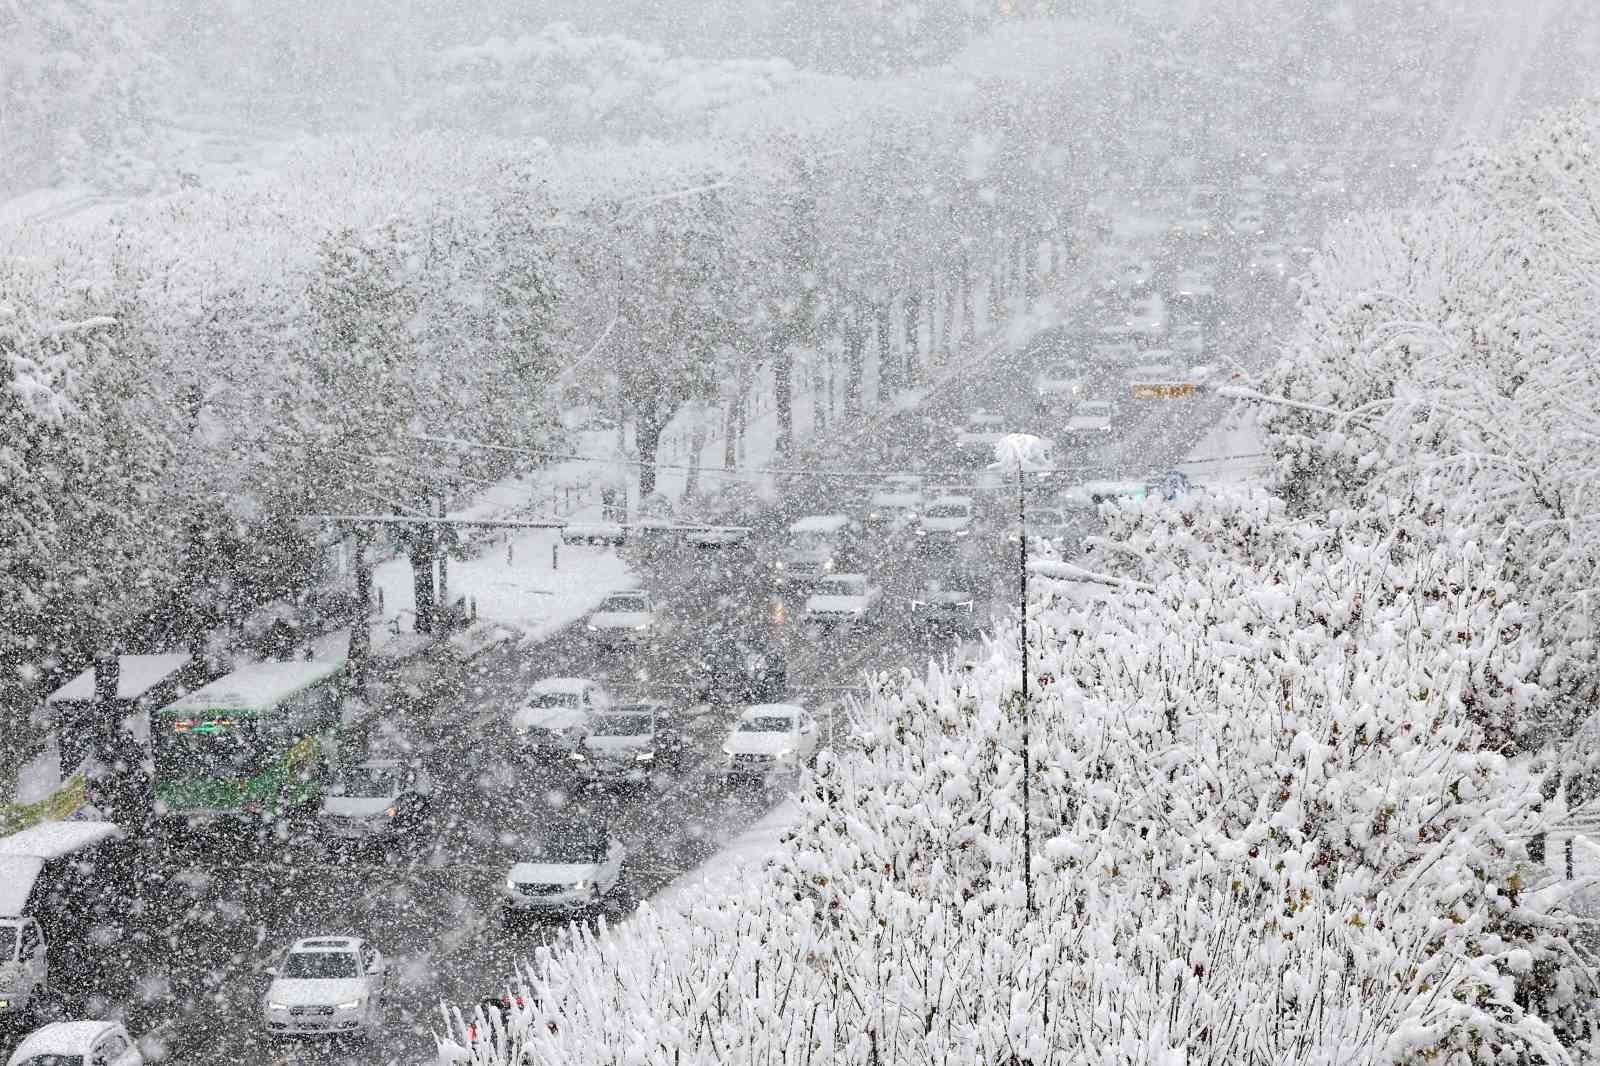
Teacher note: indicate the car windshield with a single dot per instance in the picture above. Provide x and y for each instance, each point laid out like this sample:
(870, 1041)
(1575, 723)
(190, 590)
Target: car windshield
(553, 699)
(50, 1058)
(809, 540)
(1044, 518)
(567, 847)
(767, 723)
(631, 601)
(210, 747)
(947, 510)
(841, 586)
(370, 780)
(1095, 408)
(623, 725)
(320, 965)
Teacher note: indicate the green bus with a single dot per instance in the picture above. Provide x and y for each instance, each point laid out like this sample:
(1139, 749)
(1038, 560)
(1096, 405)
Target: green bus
(254, 744)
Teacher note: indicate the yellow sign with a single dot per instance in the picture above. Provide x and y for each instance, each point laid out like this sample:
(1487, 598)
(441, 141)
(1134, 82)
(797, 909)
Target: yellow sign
(1163, 391)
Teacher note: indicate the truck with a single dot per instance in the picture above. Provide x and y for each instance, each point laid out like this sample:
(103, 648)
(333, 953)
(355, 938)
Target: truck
(57, 881)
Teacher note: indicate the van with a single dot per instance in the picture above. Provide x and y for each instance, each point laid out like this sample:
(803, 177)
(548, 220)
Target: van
(816, 545)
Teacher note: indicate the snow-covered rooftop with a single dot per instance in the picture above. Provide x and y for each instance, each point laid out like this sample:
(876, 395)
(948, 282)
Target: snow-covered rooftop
(257, 686)
(137, 674)
(17, 875)
(53, 840)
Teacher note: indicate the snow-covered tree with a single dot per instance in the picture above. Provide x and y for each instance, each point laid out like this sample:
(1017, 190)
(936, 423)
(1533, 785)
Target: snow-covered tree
(1442, 371)
(1273, 821)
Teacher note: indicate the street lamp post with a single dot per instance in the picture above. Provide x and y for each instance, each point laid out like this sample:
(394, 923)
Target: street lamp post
(1024, 452)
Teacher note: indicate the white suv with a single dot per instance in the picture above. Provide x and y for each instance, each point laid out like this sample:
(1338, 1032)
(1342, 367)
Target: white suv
(326, 986)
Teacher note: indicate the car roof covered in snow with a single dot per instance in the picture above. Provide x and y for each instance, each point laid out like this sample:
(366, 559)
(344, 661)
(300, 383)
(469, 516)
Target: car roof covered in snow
(256, 686)
(136, 675)
(560, 684)
(773, 710)
(55, 840)
(62, 1038)
(819, 523)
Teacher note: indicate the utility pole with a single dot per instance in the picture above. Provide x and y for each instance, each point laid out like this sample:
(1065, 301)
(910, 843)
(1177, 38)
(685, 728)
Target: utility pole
(361, 623)
(1027, 758)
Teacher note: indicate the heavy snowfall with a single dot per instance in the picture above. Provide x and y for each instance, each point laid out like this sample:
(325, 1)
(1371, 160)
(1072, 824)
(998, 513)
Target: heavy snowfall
(666, 532)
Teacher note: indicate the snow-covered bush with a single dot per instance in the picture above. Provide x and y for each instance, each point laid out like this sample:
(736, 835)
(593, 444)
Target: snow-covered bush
(1271, 822)
(1444, 356)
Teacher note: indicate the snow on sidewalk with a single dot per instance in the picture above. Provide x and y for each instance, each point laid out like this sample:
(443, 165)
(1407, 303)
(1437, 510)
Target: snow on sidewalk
(1233, 451)
(732, 863)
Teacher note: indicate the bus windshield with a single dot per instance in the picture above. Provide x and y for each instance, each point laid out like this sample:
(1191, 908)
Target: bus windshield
(209, 747)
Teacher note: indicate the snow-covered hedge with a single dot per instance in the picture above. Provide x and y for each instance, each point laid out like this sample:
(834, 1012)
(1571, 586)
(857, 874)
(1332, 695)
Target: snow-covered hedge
(1446, 355)
(1271, 823)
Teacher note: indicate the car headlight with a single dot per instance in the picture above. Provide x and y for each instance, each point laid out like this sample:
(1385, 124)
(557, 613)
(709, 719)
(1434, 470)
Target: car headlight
(578, 756)
(828, 566)
(277, 1006)
(727, 751)
(511, 885)
(962, 532)
(644, 756)
(349, 1004)
(390, 810)
(593, 628)
(580, 886)
(777, 565)
(785, 753)
(641, 627)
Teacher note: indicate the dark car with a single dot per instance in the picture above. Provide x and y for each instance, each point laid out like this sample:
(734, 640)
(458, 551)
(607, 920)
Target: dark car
(630, 743)
(742, 671)
(953, 602)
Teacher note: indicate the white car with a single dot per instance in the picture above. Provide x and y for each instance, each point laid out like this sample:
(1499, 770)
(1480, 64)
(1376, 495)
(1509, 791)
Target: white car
(1091, 419)
(975, 444)
(554, 716)
(1269, 259)
(893, 508)
(569, 868)
(947, 518)
(1248, 221)
(76, 1044)
(1188, 338)
(770, 737)
(326, 986)
(1134, 275)
(1058, 385)
(626, 617)
(842, 599)
(1193, 287)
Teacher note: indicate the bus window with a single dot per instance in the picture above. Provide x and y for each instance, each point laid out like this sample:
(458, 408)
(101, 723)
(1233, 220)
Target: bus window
(209, 747)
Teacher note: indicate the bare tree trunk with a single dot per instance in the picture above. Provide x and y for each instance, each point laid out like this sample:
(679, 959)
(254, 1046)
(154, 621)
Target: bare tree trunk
(913, 328)
(783, 386)
(422, 589)
(649, 419)
(969, 321)
(741, 403)
(855, 344)
(997, 287)
(888, 369)
(360, 624)
(952, 316)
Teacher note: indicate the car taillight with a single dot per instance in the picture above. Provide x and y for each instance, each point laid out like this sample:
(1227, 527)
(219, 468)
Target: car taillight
(472, 1032)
